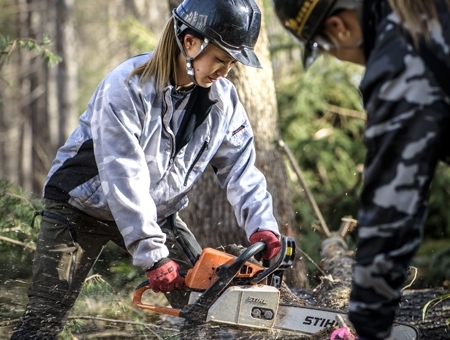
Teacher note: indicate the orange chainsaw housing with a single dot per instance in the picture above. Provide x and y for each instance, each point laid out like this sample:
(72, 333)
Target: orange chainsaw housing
(203, 274)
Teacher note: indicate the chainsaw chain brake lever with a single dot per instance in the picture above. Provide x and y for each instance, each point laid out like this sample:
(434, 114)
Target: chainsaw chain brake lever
(274, 272)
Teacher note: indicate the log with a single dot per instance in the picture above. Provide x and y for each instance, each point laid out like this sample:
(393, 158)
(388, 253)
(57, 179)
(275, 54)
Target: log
(334, 289)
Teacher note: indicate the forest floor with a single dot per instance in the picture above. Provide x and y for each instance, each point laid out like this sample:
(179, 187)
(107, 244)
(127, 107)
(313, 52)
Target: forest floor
(108, 315)
(105, 311)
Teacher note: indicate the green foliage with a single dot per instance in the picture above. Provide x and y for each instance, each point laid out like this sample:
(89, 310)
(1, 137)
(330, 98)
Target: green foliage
(16, 235)
(137, 34)
(8, 46)
(323, 125)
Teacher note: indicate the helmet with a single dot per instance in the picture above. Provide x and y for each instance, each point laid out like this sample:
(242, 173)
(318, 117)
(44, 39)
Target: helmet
(232, 25)
(303, 18)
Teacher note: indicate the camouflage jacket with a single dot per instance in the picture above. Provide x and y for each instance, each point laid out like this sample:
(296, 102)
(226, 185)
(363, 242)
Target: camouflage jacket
(123, 163)
(407, 133)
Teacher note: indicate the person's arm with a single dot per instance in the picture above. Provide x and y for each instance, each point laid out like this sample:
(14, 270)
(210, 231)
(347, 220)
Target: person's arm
(123, 169)
(234, 164)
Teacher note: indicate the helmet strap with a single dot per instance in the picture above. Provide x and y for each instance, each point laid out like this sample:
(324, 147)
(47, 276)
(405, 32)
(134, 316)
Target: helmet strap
(189, 60)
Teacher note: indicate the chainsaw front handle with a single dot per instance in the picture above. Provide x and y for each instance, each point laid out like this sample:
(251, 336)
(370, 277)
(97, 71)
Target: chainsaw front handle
(285, 260)
(137, 301)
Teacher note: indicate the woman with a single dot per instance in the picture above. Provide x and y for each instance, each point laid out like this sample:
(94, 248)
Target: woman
(150, 130)
(404, 45)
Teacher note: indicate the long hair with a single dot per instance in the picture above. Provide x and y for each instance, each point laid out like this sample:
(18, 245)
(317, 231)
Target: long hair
(412, 12)
(163, 64)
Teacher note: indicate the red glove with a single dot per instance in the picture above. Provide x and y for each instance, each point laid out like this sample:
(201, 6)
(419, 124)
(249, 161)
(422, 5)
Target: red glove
(271, 240)
(164, 276)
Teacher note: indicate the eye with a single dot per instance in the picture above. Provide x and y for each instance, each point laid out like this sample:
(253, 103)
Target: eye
(220, 60)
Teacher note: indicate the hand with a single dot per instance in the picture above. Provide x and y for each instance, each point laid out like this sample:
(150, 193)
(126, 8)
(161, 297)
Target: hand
(164, 276)
(271, 240)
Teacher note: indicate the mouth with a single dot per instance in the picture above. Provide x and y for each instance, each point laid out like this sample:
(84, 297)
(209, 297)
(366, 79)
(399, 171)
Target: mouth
(212, 80)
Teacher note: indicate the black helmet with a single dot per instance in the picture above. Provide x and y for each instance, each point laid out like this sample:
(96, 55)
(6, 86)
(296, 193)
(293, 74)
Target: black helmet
(303, 18)
(232, 25)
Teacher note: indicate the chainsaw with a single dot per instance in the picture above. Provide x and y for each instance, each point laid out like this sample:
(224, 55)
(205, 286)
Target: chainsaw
(226, 289)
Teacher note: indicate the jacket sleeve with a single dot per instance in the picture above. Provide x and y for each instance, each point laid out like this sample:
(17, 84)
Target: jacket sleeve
(234, 164)
(116, 128)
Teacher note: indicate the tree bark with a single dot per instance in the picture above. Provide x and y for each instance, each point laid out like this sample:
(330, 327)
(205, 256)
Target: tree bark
(66, 48)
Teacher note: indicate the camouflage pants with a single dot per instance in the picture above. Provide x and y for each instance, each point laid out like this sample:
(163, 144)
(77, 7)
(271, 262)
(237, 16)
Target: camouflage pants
(69, 243)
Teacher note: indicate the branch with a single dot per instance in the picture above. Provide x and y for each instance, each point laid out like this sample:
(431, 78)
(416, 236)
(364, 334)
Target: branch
(25, 245)
(322, 229)
(347, 112)
(347, 225)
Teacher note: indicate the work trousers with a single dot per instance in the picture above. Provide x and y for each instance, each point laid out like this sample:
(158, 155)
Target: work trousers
(68, 245)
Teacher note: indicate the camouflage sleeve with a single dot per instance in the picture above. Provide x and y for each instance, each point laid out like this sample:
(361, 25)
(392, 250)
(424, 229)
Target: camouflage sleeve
(406, 135)
(123, 169)
(235, 168)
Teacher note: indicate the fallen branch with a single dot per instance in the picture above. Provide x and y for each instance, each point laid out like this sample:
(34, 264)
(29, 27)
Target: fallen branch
(11, 240)
(323, 228)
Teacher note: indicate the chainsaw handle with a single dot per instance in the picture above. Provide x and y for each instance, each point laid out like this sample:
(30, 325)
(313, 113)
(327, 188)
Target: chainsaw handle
(284, 261)
(137, 301)
(246, 255)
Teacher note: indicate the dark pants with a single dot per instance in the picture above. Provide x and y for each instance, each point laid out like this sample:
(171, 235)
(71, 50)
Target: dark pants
(69, 243)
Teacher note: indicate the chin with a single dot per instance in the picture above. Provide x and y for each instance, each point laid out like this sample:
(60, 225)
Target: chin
(207, 85)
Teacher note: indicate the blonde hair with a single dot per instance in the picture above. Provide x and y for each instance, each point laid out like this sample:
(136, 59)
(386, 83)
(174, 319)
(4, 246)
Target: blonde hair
(411, 14)
(163, 64)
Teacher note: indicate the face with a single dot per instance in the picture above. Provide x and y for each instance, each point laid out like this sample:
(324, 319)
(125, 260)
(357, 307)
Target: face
(211, 64)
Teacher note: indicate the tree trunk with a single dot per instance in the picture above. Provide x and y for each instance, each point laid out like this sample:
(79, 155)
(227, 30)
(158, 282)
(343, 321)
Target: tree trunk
(66, 48)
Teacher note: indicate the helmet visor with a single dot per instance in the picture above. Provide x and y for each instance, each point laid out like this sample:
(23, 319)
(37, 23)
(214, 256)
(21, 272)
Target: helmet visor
(311, 52)
(244, 55)
(314, 49)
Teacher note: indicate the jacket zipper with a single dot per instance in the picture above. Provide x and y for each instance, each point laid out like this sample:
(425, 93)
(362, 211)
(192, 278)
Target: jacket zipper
(172, 137)
(203, 148)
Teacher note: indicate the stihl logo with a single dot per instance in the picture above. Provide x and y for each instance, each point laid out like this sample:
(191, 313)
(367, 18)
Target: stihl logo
(257, 300)
(319, 322)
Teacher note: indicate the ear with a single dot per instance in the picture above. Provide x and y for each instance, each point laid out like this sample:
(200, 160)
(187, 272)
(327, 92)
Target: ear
(189, 41)
(335, 25)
